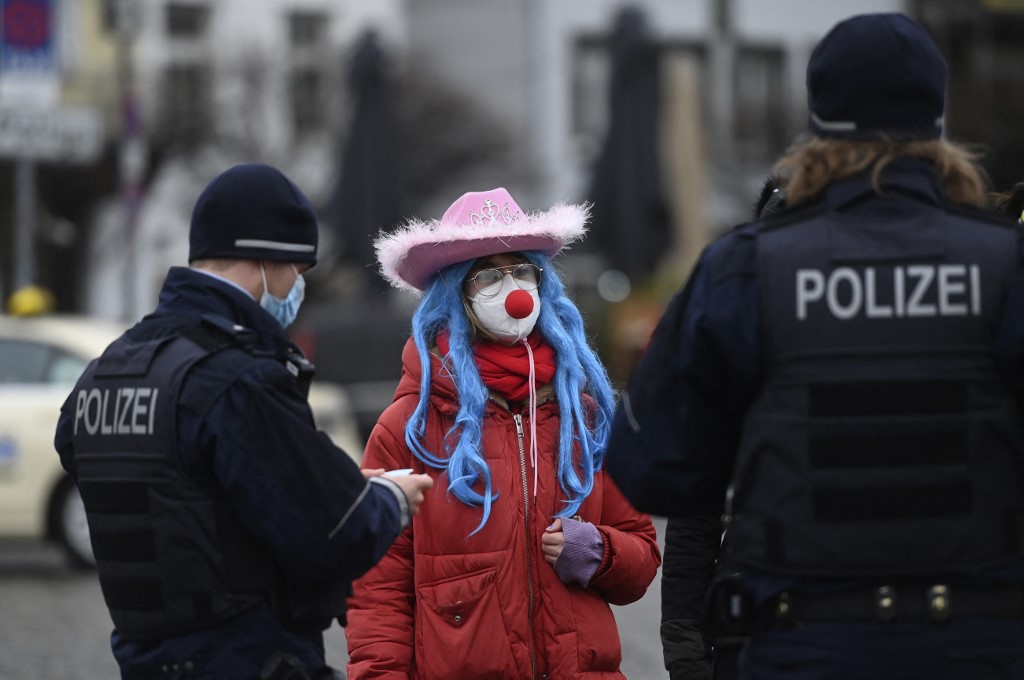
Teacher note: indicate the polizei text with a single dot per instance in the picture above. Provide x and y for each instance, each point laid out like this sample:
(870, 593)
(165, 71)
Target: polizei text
(125, 410)
(911, 291)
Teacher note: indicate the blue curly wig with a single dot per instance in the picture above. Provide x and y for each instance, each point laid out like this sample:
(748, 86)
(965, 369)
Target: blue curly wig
(578, 370)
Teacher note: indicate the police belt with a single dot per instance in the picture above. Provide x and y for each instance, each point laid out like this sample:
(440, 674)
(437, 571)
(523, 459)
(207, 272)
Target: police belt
(935, 603)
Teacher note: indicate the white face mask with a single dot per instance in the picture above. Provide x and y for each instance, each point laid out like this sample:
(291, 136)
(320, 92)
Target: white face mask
(490, 312)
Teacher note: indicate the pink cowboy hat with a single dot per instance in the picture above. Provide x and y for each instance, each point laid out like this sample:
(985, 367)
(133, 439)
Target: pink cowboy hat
(480, 223)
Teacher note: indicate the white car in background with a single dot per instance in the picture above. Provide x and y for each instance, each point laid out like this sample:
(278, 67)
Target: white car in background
(41, 358)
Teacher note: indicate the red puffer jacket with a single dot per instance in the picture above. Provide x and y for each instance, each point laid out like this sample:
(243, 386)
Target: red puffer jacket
(444, 604)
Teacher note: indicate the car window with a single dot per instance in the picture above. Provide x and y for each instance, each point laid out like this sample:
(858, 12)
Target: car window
(65, 369)
(23, 361)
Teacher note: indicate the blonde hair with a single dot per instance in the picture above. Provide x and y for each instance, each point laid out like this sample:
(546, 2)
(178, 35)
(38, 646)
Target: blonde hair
(813, 164)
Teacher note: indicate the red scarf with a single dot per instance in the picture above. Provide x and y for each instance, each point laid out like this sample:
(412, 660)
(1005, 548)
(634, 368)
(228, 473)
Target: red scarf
(505, 369)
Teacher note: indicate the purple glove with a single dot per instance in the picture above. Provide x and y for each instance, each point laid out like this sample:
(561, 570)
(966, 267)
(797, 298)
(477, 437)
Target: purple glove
(582, 553)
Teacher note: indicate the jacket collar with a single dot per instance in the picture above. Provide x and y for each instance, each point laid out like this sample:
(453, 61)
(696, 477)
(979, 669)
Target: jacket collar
(544, 393)
(187, 292)
(904, 177)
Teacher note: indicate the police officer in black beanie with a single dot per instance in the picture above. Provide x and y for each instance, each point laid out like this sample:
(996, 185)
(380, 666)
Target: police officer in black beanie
(841, 381)
(226, 527)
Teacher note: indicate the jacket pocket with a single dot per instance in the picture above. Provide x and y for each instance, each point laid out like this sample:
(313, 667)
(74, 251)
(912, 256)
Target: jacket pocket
(597, 637)
(460, 632)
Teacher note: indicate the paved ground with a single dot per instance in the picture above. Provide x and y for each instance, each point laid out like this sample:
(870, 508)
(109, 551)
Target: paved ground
(54, 625)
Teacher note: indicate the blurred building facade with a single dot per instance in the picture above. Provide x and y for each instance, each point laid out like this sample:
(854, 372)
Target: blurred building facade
(981, 41)
(218, 81)
(203, 65)
(732, 93)
(485, 93)
(202, 85)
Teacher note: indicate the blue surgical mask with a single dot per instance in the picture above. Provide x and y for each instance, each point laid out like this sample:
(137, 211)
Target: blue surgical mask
(284, 310)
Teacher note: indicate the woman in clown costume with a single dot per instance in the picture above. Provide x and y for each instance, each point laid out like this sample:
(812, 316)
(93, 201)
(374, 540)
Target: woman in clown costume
(509, 568)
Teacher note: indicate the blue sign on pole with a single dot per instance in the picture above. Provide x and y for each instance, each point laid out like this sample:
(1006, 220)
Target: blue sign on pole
(26, 36)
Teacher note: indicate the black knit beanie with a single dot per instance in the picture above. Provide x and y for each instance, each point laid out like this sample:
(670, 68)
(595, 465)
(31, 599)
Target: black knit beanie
(877, 76)
(253, 212)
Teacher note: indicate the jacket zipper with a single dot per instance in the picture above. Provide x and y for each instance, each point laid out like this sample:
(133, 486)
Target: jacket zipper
(518, 418)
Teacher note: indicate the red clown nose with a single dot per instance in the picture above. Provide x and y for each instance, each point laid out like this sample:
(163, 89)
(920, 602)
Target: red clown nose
(519, 304)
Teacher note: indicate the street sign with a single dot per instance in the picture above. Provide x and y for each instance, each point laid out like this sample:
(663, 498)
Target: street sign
(28, 51)
(27, 39)
(61, 134)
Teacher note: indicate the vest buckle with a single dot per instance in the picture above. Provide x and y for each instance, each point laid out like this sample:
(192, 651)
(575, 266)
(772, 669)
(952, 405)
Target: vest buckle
(885, 603)
(783, 611)
(938, 603)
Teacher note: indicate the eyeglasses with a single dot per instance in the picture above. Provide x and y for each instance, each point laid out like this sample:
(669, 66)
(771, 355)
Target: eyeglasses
(487, 282)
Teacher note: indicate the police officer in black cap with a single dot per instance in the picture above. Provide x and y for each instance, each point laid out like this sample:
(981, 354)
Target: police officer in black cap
(226, 527)
(842, 381)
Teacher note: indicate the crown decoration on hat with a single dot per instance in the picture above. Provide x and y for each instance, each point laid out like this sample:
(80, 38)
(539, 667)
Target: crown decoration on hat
(478, 224)
(490, 212)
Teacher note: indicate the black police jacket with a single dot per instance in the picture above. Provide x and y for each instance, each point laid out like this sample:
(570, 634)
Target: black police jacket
(170, 555)
(697, 399)
(884, 441)
(245, 439)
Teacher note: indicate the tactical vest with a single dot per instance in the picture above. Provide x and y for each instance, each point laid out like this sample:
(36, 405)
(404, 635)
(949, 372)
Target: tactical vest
(883, 442)
(171, 555)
